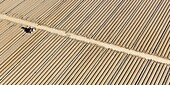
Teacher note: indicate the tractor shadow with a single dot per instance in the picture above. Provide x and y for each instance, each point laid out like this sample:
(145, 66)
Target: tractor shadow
(26, 30)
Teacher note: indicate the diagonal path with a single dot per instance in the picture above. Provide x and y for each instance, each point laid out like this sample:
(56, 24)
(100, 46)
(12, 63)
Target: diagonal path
(81, 38)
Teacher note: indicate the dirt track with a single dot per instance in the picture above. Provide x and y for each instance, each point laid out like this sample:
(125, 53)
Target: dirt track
(73, 36)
